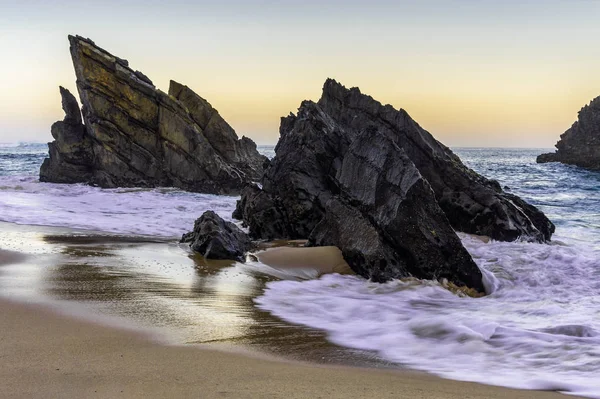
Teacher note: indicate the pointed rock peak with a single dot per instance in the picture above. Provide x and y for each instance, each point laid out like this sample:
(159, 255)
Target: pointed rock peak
(70, 106)
(76, 38)
(83, 47)
(200, 109)
(336, 95)
(594, 104)
(187, 96)
(180, 91)
(175, 88)
(332, 85)
(333, 89)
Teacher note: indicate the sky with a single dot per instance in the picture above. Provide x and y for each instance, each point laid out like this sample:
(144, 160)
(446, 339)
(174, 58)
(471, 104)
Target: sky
(473, 73)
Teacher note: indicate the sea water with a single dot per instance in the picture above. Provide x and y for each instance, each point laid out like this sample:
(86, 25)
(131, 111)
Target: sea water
(539, 327)
(163, 212)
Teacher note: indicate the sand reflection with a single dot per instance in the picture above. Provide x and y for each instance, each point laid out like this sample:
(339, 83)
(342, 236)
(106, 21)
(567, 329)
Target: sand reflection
(160, 284)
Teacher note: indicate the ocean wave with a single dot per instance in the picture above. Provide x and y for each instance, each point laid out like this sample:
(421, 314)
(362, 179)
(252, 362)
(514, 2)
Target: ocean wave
(537, 327)
(162, 212)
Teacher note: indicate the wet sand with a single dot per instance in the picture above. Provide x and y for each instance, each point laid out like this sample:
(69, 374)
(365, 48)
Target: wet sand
(323, 259)
(106, 308)
(152, 285)
(8, 257)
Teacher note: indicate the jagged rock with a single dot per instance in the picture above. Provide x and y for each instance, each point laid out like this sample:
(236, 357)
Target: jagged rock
(357, 190)
(215, 238)
(137, 135)
(580, 145)
(238, 152)
(71, 152)
(390, 225)
(260, 212)
(472, 203)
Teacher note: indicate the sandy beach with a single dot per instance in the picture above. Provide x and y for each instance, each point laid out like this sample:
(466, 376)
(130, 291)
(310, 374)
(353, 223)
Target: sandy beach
(49, 355)
(54, 345)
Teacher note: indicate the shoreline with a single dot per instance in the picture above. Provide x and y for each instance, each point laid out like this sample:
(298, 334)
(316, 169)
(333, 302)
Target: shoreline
(55, 346)
(46, 354)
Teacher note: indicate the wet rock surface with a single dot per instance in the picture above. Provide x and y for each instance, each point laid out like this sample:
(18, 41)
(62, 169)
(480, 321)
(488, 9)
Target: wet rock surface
(355, 188)
(135, 135)
(215, 238)
(580, 144)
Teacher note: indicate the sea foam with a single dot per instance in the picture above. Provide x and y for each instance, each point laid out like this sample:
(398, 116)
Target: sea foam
(539, 329)
(161, 212)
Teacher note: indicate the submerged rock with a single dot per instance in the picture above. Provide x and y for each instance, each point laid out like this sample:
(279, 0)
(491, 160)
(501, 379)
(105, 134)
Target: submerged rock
(355, 188)
(580, 144)
(215, 238)
(137, 135)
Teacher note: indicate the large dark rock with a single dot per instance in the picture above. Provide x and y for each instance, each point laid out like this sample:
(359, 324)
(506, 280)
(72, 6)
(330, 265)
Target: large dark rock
(356, 189)
(215, 238)
(137, 135)
(386, 220)
(580, 145)
(472, 203)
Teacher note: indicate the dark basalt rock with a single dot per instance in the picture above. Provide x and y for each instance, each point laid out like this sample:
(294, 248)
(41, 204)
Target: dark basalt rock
(358, 190)
(472, 203)
(580, 145)
(137, 135)
(214, 238)
(389, 225)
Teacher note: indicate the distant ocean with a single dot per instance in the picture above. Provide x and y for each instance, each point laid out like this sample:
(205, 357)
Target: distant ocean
(539, 328)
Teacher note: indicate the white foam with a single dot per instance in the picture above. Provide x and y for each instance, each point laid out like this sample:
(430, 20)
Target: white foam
(164, 212)
(538, 329)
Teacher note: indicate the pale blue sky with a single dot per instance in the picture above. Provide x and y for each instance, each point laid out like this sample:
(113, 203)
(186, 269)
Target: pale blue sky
(474, 73)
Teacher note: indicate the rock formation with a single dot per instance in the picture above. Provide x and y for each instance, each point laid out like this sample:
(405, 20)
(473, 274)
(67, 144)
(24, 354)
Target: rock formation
(355, 188)
(214, 238)
(71, 152)
(137, 135)
(580, 145)
(368, 179)
(472, 203)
